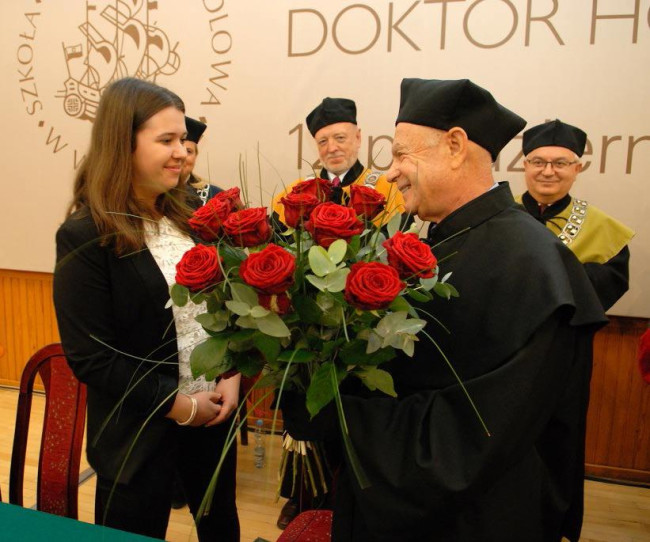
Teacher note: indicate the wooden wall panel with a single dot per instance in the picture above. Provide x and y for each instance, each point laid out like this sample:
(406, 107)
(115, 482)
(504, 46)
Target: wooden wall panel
(618, 423)
(27, 320)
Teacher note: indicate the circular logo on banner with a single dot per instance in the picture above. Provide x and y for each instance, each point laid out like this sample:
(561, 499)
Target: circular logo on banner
(70, 51)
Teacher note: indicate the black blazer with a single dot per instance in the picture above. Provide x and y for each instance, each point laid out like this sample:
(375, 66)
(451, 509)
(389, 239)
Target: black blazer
(119, 340)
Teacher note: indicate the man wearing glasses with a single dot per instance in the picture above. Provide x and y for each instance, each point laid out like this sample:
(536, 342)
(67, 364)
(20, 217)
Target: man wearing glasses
(552, 162)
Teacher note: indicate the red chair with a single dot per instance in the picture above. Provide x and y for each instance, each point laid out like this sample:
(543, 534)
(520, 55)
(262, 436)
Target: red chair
(309, 526)
(62, 438)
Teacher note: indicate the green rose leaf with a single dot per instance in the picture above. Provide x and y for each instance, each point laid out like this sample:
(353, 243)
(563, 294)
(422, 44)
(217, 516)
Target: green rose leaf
(377, 379)
(209, 357)
(419, 295)
(270, 347)
(273, 325)
(321, 389)
(179, 295)
(400, 304)
(232, 257)
(307, 308)
(354, 353)
(249, 365)
(354, 245)
(296, 356)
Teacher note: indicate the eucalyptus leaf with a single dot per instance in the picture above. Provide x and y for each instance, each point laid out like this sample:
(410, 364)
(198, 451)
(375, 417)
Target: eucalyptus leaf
(377, 379)
(320, 262)
(259, 312)
(452, 290)
(273, 325)
(427, 284)
(239, 307)
(318, 282)
(213, 322)
(244, 293)
(398, 323)
(213, 304)
(210, 356)
(442, 290)
(197, 298)
(179, 295)
(336, 251)
(408, 346)
(247, 322)
(335, 282)
(375, 342)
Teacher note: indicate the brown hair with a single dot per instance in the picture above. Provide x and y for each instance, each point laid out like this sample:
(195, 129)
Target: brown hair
(103, 184)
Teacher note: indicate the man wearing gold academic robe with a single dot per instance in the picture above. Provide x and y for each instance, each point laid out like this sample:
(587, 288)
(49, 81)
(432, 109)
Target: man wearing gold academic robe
(552, 162)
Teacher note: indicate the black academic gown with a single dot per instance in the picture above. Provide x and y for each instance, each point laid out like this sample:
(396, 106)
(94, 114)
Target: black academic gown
(521, 340)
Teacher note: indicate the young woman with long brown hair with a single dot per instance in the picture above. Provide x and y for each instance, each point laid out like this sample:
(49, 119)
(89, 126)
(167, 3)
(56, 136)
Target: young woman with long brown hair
(149, 420)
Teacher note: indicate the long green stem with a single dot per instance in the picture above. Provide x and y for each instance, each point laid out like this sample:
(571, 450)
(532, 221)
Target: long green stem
(359, 473)
(451, 368)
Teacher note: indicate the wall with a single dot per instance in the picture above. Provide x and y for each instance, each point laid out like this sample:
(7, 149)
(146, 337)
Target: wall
(253, 69)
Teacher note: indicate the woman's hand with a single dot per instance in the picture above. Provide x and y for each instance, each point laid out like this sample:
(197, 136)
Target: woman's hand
(228, 389)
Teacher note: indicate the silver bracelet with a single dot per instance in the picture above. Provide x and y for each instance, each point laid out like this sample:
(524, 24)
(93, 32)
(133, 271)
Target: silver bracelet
(195, 406)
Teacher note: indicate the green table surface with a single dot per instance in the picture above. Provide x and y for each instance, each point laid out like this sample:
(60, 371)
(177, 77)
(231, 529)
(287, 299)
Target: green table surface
(18, 524)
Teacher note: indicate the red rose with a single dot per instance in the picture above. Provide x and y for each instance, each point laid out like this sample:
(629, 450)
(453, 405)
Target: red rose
(270, 270)
(199, 268)
(248, 227)
(329, 222)
(372, 286)
(366, 201)
(410, 256)
(320, 188)
(232, 195)
(207, 220)
(279, 304)
(297, 207)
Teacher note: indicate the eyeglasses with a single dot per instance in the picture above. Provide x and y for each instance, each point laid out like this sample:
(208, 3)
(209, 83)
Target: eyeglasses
(560, 163)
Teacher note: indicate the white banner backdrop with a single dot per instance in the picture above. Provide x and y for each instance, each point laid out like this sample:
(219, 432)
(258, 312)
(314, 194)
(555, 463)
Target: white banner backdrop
(253, 69)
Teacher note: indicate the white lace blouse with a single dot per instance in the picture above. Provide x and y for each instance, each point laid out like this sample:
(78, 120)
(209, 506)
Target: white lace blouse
(167, 246)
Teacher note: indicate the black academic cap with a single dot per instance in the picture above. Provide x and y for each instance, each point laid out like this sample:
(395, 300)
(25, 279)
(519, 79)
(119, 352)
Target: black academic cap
(555, 134)
(331, 111)
(195, 129)
(444, 104)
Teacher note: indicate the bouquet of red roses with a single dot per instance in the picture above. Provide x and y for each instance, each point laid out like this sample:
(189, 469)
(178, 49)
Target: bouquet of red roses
(311, 302)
